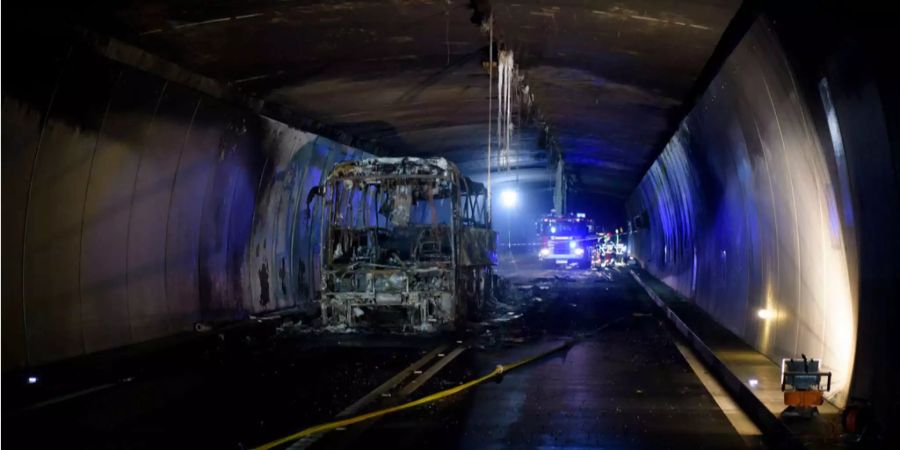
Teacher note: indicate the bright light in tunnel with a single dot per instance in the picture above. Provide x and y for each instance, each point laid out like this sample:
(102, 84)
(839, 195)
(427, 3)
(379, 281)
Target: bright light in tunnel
(765, 314)
(509, 198)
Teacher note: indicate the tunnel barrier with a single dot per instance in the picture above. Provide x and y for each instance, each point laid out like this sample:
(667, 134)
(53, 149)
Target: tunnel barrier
(774, 429)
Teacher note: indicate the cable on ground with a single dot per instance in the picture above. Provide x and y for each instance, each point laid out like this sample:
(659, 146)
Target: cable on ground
(499, 370)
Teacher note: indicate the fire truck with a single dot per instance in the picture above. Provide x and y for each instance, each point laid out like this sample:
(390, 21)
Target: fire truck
(566, 240)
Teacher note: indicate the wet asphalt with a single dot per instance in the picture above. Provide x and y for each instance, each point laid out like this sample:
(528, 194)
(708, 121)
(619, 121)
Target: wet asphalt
(622, 384)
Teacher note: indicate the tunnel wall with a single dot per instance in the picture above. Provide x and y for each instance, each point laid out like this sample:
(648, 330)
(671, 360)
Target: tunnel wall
(134, 207)
(749, 213)
(282, 266)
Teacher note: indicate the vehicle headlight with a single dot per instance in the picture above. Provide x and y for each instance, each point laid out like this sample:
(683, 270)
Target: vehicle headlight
(579, 251)
(573, 244)
(544, 251)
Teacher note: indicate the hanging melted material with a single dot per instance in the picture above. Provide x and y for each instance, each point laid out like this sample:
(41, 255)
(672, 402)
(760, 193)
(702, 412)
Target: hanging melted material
(507, 76)
(405, 244)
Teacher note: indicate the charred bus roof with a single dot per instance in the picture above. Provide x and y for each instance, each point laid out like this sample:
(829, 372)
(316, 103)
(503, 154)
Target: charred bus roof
(376, 169)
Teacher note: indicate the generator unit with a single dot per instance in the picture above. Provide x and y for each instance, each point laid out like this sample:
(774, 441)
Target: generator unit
(803, 385)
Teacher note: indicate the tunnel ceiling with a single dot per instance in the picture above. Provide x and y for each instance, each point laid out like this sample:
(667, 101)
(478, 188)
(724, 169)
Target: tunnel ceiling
(607, 76)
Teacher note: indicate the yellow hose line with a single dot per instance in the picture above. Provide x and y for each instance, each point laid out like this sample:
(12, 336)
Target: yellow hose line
(427, 399)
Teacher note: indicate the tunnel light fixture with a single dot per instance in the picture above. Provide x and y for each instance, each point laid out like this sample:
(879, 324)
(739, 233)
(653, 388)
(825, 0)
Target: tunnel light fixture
(765, 314)
(753, 382)
(509, 198)
(32, 380)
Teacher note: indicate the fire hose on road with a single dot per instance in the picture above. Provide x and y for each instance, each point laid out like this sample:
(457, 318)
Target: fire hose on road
(328, 426)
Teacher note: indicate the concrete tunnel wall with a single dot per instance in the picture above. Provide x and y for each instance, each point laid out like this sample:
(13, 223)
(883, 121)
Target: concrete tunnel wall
(759, 202)
(134, 207)
(745, 214)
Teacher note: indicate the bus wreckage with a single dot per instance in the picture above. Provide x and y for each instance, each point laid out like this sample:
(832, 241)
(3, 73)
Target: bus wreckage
(406, 244)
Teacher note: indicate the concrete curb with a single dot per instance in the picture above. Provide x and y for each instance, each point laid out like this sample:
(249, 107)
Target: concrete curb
(774, 430)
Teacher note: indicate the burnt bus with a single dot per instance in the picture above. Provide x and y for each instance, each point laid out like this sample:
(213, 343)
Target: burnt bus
(406, 244)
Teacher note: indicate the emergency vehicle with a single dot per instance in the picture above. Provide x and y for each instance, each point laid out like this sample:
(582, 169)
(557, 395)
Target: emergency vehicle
(566, 239)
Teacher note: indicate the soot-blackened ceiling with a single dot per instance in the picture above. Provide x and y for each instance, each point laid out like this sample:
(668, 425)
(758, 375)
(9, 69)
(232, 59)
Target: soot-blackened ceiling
(606, 76)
